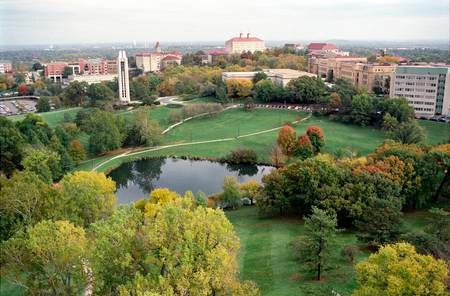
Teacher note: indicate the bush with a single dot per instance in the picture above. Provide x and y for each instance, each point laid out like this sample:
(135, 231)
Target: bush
(242, 156)
(350, 252)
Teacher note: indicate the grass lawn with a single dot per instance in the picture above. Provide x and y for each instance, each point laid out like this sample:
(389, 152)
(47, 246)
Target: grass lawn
(341, 139)
(267, 258)
(436, 132)
(53, 118)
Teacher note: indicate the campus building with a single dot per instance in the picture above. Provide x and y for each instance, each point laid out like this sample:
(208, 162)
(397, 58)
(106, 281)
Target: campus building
(426, 87)
(55, 70)
(5, 67)
(317, 49)
(156, 60)
(278, 76)
(244, 44)
(123, 79)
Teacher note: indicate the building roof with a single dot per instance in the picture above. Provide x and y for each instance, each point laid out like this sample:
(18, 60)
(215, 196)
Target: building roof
(217, 52)
(171, 58)
(321, 46)
(245, 39)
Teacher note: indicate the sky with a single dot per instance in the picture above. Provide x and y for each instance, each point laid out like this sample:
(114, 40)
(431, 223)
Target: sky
(99, 21)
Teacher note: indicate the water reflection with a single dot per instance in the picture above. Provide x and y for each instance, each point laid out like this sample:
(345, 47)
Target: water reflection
(136, 179)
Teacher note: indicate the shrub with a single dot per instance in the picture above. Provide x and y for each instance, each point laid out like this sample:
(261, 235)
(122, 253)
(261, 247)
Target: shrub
(242, 156)
(231, 196)
(350, 253)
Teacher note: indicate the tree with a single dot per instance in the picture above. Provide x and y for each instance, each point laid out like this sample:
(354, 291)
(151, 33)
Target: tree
(287, 139)
(76, 92)
(43, 104)
(315, 135)
(258, 77)
(107, 131)
(172, 247)
(99, 92)
(362, 108)
(346, 91)
(23, 89)
(398, 270)
(76, 150)
(315, 246)
(89, 196)
(239, 88)
(266, 91)
(37, 66)
(306, 90)
(409, 133)
(143, 131)
(47, 259)
(277, 157)
(390, 123)
(380, 222)
(251, 190)
(335, 100)
(24, 200)
(304, 148)
(11, 146)
(231, 196)
(43, 162)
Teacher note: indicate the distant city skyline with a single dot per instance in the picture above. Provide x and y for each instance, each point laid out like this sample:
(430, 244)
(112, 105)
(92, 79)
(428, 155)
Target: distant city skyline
(103, 21)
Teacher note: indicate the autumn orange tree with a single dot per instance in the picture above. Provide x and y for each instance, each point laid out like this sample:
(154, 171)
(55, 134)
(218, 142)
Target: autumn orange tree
(287, 139)
(316, 136)
(304, 147)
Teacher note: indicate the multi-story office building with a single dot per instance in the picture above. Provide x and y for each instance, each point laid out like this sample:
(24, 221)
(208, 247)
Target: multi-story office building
(55, 70)
(322, 66)
(156, 60)
(426, 87)
(244, 44)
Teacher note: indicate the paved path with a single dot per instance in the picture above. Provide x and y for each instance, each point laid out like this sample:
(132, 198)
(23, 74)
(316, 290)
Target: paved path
(169, 100)
(130, 153)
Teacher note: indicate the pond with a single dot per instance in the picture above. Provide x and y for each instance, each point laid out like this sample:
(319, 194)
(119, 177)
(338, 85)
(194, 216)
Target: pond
(136, 179)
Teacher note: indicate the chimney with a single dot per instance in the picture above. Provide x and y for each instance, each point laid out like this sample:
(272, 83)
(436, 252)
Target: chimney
(248, 35)
(240, 35)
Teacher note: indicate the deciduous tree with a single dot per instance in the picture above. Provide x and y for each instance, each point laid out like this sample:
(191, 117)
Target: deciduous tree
(397, 270)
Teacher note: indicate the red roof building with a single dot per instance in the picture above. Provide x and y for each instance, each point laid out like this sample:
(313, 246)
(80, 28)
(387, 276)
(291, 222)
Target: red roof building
(321, 46)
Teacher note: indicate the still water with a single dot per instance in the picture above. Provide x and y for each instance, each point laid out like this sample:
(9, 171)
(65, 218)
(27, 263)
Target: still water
(136, 179)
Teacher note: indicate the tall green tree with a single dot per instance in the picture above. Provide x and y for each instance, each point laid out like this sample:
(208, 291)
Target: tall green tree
(11, 147)
(409, 132)
(316, 245)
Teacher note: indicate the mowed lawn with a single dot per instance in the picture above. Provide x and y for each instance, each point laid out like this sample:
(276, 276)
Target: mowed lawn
(53, 118)
(267, 257)
(341, 139)
(230, 123)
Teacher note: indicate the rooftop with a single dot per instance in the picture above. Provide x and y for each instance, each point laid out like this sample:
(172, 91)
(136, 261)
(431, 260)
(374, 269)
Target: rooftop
(321, 46)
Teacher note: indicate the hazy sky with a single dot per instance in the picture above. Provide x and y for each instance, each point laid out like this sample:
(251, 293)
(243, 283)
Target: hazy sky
(71, 21)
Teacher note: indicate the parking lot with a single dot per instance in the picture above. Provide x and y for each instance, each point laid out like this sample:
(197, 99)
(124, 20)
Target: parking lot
(15, 107)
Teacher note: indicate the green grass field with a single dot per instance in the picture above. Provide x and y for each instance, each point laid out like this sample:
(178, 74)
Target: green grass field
(53, 118)
(341, 139)
(266, 255)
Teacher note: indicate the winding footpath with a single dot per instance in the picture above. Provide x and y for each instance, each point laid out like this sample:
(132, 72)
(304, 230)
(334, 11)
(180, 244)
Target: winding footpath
(130, 153)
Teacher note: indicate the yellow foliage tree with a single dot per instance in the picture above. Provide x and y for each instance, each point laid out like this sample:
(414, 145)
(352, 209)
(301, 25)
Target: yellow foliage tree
(239, 88)
(397, 270)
